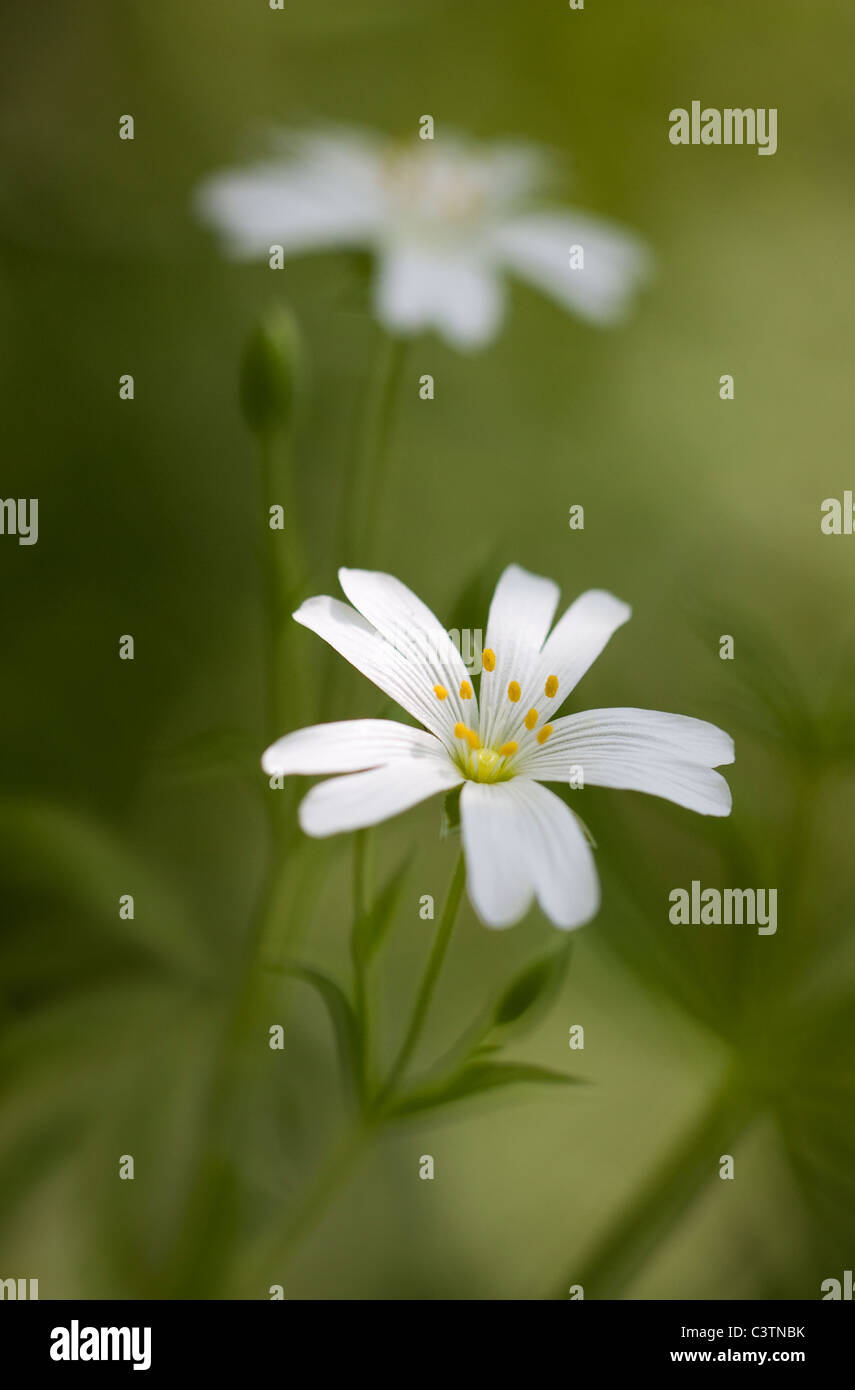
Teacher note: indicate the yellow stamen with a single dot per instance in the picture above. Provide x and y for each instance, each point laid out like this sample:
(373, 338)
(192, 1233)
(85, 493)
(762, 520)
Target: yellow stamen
(531, 719)
(461, 731)
(514, 692)
(551, 687)
(488, 659)
(507, 750)
(544, 733)
(440, 692)
(465, 690)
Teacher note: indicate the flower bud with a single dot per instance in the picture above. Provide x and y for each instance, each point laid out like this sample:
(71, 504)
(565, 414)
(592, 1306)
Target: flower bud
(269, 373)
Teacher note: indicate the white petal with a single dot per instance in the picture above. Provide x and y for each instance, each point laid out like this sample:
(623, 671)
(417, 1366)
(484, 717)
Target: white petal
(521, 841)
(367, 798)
(493, 178)
(667, 755)
(348, 745)
(404, 678)
(693, 740)
(410, 627)
(537, 247)
(521, 612)
(457, 294)
(571, 648)
(497, 874)
(325, 192)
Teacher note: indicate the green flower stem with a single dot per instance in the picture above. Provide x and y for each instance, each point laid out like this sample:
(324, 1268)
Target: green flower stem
(363, 478)
(431, 975)
(331, 1179)
(270, 1256)
(283, 580)
(361, 907)
(354, 1142)
(283, 584)
(664, 1198)
(389, 380)
(362, 481)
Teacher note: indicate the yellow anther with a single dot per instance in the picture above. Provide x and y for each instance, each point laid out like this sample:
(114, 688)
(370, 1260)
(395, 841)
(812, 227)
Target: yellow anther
(531, 719)
(461, 731)
(488, 659)
(465, 690)
(551, 687)
(507, 750)
(440, 692)
(544, 733)
(514, 692)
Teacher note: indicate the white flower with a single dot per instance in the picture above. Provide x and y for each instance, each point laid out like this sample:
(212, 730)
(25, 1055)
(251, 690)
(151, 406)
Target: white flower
(444, 219)
(520, 840)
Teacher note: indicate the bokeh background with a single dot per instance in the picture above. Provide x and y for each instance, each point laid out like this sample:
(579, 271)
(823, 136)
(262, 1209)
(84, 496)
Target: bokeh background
(142, 777)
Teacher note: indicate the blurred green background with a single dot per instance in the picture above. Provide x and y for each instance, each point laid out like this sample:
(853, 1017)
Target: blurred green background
(704, 515)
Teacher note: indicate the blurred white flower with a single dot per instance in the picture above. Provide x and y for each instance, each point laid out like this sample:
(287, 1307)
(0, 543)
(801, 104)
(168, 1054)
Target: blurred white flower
(445, 220)
(520, 840)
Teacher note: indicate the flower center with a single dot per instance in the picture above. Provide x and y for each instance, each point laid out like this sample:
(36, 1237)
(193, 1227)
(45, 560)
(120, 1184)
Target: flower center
(496, 764)
(487, 765)
(483, 764)
(433, 195)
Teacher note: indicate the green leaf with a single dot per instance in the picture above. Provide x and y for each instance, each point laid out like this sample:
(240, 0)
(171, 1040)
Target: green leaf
(475, 1079)
(372, 927)
(537, 983)
(342, 1017)
(450, 814)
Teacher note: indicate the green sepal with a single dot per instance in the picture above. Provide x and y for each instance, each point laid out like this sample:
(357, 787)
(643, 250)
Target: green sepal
(450, 814)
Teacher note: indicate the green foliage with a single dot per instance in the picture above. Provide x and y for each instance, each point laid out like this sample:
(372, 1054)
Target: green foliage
(537, 984)
(474, 1079)
(450, 824)
(372, 925)
(341, 1014)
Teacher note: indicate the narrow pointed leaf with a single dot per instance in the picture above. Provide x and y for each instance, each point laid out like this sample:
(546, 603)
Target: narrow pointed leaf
(475, 1079)
(342, 1017)
(537, 983)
